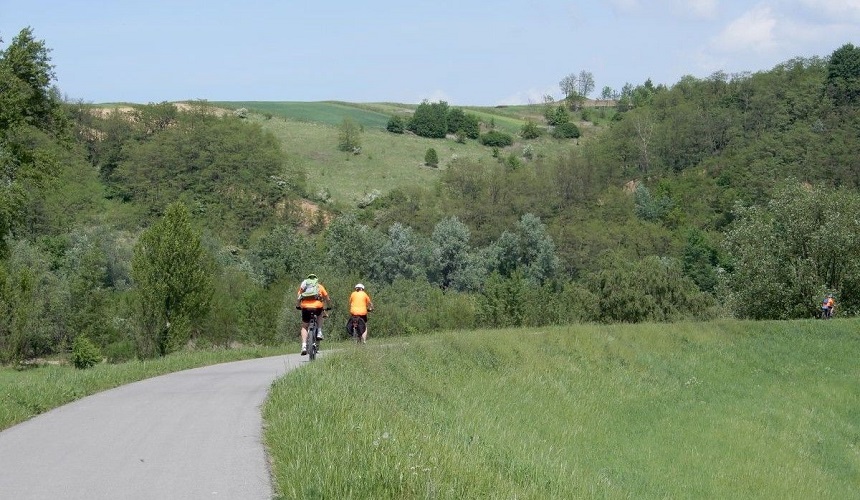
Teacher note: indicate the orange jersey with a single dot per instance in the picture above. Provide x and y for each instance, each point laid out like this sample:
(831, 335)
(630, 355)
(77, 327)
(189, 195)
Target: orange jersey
(359, 301)
(313, 303)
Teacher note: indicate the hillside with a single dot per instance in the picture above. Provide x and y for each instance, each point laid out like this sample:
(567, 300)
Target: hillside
(731, 196)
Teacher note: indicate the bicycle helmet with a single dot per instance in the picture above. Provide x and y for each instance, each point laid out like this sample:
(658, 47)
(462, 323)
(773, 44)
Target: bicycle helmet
(312, 276)
(359, 287)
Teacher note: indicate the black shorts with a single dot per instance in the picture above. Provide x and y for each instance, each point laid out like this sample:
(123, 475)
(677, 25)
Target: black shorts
(362, 316)
(307, 313)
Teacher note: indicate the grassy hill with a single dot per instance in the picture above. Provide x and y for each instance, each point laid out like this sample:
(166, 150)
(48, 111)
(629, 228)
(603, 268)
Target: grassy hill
(725, 409)
(309, 134)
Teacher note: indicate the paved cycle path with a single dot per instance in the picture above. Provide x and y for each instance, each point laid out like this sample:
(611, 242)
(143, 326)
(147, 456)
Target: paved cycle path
(187, 435)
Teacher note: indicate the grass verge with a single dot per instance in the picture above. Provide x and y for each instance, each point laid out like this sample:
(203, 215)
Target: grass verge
(726, 409)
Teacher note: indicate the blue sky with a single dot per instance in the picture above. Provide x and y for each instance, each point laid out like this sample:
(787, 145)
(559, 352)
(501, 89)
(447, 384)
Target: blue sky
(469, 52)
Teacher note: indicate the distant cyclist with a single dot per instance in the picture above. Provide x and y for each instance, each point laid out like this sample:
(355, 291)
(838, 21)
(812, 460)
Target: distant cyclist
(312, 298)
(827, 306)
(359, 305)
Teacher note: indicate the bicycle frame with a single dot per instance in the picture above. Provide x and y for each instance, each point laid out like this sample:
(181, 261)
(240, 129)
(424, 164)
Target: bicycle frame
(313, 342)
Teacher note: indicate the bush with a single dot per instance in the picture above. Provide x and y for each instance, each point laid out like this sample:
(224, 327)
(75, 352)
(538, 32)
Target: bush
(496, 139)
(84, 353)
(566, 131)
(431, 159)
(530, 130)
(395, 125)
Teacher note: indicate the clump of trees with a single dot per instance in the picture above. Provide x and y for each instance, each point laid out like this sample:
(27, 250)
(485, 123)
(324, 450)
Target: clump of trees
(437, 120)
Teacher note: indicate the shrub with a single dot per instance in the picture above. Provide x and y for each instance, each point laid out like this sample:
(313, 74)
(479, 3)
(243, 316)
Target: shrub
(497, 139)
(431, 158)
(566, 131)
(530, 130)
(84, 353)
(395, 125)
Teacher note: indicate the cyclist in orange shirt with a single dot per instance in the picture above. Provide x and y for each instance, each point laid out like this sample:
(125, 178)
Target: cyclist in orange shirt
(359, 305)
(312, 297)
(828, 305)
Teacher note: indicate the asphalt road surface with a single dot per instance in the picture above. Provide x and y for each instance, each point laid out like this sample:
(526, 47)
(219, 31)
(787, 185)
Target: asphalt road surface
(188, 435)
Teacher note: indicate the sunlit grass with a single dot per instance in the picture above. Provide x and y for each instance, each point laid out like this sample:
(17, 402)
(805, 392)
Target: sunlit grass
(716, 410)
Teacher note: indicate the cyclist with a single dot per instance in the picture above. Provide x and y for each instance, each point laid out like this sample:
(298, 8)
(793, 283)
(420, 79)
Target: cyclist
(359, 305)
(828, 305)
(312, 297)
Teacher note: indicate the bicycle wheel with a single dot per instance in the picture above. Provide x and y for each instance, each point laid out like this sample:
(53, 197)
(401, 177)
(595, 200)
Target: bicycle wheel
(312, 338)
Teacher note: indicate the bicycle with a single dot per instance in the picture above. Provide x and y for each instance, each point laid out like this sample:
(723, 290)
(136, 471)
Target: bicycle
(313, 333)
(356, 328)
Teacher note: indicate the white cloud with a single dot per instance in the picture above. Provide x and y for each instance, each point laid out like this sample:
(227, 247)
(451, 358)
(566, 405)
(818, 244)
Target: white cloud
(753, 31)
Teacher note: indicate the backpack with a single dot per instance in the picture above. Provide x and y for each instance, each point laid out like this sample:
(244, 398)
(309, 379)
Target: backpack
(310, 289)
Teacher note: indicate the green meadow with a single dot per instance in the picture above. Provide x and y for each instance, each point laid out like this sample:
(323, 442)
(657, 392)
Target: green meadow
(726, 409)
(309, 131)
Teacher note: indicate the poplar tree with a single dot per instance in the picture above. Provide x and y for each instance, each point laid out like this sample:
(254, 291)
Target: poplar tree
(174, 283)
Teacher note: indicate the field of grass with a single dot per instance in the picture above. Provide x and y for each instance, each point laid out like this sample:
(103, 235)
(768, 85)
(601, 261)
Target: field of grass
(28, 392)
(725, 409)
(387, 161)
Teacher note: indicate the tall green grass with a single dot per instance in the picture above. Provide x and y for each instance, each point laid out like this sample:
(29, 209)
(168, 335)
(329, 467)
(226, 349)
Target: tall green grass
(725, 409)
(25, 393)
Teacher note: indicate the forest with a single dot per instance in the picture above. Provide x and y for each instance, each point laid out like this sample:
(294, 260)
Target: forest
(135, 231)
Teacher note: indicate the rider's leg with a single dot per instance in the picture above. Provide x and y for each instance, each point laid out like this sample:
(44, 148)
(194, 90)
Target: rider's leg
(304, 334)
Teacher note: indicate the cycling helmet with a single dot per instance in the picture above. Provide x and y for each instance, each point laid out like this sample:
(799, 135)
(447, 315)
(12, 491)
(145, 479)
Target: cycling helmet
(359, 287)
(312, 276)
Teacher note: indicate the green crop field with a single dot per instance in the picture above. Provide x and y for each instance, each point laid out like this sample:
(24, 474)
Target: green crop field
(330, 113)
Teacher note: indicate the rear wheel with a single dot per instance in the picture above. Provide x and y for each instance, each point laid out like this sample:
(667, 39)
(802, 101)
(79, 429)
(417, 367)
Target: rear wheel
(312, 339)
(357, 329)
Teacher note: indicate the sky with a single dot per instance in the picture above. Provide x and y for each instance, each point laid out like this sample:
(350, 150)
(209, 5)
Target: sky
(465, 52)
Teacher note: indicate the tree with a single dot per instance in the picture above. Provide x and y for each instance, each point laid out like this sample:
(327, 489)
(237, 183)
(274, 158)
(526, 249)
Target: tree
(450, 252)
(576, 88)
(650, 289)
(33, 129)
(26, 76)
(403, 256)
(173, 282)
(351, 246)
(279, 253)
(787, 253)
(557, 115)
(843, 75)
(430, 120)
(431, 159)
(529, 250)
(349, 136)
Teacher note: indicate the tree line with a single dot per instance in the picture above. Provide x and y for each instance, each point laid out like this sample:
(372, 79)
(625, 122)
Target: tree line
(148, 229)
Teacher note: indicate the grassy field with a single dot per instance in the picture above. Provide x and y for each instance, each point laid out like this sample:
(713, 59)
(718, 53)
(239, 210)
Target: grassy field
(725, 409)
(309, 134)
